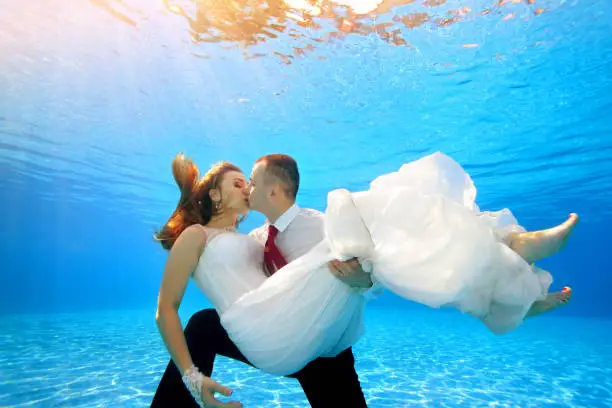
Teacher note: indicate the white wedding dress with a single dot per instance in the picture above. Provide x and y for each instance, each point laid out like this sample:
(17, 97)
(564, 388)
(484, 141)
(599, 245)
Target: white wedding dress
(425, 239)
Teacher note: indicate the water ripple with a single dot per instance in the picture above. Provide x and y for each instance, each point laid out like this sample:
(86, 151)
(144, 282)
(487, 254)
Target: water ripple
(407, 358)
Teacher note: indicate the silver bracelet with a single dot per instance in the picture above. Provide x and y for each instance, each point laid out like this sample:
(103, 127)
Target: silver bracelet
(192, 378)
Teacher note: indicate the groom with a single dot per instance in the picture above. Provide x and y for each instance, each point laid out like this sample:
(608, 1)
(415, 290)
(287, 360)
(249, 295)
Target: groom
(290, 232)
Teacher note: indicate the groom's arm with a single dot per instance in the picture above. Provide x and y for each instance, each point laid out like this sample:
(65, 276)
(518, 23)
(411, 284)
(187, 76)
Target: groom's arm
(351, 272)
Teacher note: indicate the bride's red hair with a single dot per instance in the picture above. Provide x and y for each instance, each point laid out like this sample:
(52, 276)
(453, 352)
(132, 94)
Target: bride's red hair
(195, 205)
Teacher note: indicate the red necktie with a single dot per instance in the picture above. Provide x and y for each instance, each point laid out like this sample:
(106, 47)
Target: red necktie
(273, 259)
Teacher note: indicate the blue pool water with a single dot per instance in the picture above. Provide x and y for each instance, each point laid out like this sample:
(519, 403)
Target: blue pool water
(410, 357)
(97, 97)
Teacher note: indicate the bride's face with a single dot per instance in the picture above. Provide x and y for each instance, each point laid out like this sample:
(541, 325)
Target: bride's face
(234, 193)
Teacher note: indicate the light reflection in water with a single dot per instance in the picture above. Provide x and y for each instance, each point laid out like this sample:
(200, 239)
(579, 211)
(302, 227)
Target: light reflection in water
(309, 23)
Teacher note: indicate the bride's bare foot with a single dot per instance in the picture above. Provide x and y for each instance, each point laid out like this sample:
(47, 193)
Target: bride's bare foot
(552, 301)
(533, 246)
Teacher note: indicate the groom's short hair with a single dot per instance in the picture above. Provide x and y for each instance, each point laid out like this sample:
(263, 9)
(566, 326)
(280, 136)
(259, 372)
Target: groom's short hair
(283, 167)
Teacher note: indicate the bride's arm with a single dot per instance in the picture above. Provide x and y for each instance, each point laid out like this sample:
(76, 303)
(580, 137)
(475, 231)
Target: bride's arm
(181, 263)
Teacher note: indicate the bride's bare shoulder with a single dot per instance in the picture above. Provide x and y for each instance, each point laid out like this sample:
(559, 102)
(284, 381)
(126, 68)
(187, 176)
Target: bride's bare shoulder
(195, 232)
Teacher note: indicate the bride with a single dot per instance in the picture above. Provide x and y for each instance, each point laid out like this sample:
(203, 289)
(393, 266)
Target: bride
(418, 231)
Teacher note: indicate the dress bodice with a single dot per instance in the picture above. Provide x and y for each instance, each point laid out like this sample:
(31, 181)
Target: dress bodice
(230, 265)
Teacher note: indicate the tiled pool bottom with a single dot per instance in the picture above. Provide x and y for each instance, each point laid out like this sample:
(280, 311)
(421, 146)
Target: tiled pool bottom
(407, 358)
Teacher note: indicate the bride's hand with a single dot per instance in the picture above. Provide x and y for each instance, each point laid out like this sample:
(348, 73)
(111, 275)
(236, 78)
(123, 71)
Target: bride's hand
(351, 273)
(209, 388)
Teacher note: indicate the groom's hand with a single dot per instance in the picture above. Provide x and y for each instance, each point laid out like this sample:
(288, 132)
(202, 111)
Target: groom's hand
(351, 273)
(209, 388)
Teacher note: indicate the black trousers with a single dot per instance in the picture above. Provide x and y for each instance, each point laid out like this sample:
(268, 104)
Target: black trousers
(327, 382)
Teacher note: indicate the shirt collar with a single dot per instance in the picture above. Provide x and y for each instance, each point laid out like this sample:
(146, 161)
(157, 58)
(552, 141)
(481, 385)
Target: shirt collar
(285, 219)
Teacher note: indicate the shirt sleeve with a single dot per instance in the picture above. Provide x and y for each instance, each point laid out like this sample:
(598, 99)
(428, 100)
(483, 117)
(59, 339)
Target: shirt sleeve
(305, 232)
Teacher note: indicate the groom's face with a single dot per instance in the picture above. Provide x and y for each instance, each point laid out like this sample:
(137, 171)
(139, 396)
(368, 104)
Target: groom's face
(259, 189)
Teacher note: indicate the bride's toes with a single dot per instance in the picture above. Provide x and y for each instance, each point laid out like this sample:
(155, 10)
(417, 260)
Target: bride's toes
(565, 295)
(535, 245)
(565, 229)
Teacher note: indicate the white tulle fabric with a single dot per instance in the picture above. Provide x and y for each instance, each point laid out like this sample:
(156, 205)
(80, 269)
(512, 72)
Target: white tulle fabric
(426, 240)
(430, 243)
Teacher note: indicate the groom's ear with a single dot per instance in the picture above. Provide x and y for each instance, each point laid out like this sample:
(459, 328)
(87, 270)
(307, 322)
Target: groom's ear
(275, 190)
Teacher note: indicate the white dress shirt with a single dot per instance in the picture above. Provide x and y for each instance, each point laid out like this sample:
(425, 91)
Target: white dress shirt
(300, 230)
